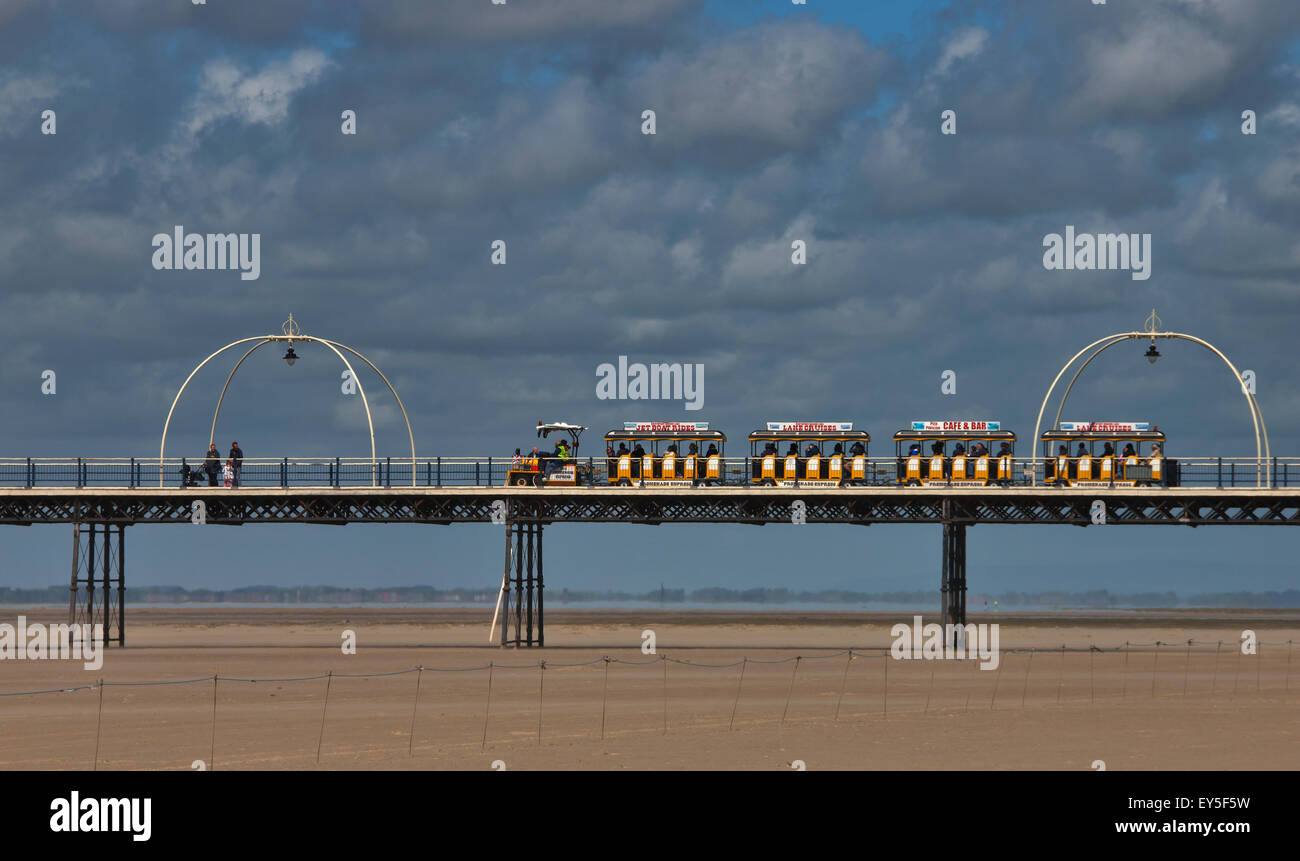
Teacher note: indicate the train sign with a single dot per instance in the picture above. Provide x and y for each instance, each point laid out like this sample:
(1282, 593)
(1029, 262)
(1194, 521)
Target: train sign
(810, 427)
(975, 426)
(1106, 427)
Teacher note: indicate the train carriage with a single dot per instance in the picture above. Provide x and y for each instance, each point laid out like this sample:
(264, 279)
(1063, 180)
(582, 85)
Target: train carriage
(1107, 454)
(814, 454)
(665, 454)
(955, 454)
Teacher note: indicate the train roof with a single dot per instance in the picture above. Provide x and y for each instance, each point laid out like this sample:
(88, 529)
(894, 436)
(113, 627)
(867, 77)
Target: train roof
(809, 431)
(1104, 430)
(682, 432)
(810, 435)
(955, 429)
(1154, 435)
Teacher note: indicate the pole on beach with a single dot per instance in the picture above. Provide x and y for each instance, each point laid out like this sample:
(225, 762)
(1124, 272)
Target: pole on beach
(505, 587)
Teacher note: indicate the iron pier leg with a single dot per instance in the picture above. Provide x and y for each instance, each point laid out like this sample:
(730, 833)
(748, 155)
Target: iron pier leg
(89, 577)
(528, 584)
(541, 632)
(953, 571)
(505, 580)
(519, 582)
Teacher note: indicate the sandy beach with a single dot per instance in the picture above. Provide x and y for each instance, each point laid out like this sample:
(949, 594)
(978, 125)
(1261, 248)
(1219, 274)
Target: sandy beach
(724, 690)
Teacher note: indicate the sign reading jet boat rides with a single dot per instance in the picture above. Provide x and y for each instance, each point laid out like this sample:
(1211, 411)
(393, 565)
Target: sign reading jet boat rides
(666, 427)
(811, 427)
(957, 426)
(1106, 427)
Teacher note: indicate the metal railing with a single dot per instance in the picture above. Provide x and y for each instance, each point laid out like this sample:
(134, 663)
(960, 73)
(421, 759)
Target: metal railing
(398, 472)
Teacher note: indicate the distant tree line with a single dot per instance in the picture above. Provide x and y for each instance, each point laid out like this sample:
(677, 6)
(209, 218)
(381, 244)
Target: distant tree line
(709, 595)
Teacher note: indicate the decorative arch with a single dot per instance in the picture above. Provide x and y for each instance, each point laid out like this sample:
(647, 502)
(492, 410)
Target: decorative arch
(290, 333)
(1262, 453)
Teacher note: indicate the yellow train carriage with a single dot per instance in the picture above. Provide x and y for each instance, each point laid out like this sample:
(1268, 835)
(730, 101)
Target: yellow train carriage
(1107, 454)
(955, 454)
(813, 454)
(665, 454)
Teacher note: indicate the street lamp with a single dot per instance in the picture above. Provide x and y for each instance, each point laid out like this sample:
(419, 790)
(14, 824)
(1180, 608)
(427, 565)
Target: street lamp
(290, 356)
(1152, 353)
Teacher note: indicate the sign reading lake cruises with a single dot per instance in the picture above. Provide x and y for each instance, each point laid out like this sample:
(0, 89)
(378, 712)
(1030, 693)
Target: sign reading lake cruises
(812, 427)
(666, 427)
(1106, 427)
(957, 426)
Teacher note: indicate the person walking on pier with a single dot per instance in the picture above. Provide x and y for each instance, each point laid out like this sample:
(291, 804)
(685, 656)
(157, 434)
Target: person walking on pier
(237, 461)
(212, 464)
(228, 473)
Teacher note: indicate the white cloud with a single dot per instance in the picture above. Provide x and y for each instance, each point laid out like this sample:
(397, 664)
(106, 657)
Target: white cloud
(226, 91)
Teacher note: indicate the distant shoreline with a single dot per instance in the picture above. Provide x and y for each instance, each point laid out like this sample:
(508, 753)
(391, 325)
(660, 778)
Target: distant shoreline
(703, 599)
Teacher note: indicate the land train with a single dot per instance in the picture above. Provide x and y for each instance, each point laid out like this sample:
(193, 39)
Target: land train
(956, 453)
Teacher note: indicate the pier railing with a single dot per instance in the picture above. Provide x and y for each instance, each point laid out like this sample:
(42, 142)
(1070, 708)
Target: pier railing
(491, 471)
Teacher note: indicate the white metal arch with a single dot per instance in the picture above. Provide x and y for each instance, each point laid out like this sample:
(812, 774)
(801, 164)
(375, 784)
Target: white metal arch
(290, 336)
(1262, 455)
(409, 434)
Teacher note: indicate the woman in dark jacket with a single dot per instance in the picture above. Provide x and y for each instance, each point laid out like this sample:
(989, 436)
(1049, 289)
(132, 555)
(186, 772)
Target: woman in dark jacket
(212, 465)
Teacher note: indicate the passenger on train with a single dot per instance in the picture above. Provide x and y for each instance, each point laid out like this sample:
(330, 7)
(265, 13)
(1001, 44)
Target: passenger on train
(937, 448)
(638, 451)
(1108, 451)
(713, 449)
(1155, 449)
(978, 450)
(857, 448)
(768, 449)
(1129, 451)
(622, 449)
(839, 448)
(694, 449)
(794, 450)
(913, 449)
(1005, 450)
(959, 449)
(811, 450)
(1083, 450)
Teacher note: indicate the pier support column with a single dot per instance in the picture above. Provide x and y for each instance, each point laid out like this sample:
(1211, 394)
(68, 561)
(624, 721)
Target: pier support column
(97, 593)
(952, 584)
(525, 581)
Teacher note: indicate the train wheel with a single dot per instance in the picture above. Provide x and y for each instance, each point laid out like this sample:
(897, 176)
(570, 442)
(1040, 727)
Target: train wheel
(623, 482)
(521, 482)
(767, 482)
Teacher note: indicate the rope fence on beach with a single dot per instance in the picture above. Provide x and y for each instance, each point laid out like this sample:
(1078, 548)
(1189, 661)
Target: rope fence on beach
(1154, 648)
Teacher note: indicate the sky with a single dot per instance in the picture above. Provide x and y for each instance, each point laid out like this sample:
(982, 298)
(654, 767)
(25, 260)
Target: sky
(523, 122)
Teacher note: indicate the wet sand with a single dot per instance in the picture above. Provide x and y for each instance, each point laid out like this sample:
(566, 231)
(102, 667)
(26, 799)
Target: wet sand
(796, 697)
